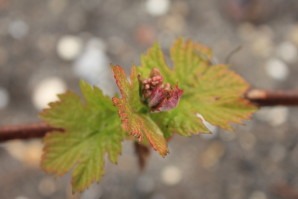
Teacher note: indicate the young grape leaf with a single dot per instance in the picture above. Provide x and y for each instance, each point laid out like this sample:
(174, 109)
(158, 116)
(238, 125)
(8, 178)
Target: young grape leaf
(214, 91)
(135, 120)
(92, 128)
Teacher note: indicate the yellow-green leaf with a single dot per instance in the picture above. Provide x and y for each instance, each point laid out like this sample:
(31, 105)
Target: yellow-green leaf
(214, 91)
(92, 129)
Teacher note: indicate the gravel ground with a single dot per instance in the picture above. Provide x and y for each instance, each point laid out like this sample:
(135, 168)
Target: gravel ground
(47, 46)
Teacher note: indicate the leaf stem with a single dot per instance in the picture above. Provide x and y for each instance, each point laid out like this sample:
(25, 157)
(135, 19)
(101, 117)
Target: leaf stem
(257, 96)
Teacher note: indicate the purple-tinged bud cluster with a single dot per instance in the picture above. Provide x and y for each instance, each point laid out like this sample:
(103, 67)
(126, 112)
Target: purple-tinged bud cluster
(157, 95)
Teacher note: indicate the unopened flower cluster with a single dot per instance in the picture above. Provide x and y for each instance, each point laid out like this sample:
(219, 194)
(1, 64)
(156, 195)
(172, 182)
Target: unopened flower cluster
(156, 94)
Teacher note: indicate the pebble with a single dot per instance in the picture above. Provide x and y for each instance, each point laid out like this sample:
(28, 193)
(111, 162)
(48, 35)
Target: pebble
(171, 175)
(258, 195)
(247, 141)
(293, 34)
(47, 186)
(29, 153)
(212, 154)
(259, 38)
(274, 116)
(18, 29)
(46, 91)
(157, 7)
(145, 35)
(277, 69)
(69, 47)
(287, 51)
(94, 66)
(4, 98)
(262, 45)
(57, 6)
(174, 23)
(180, 8)
(246, 31)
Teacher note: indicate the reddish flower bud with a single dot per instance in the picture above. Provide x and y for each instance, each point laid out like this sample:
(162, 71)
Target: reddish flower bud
(158, 96)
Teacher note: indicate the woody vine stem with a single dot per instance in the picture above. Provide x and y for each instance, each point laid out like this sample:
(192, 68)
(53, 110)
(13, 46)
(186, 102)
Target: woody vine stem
(257, 96)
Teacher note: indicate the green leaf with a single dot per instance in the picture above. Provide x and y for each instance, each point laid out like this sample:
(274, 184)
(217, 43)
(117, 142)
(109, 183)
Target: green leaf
(155, 59)
(214, 91)
(187, 58)
(135, 119)
(92, 129)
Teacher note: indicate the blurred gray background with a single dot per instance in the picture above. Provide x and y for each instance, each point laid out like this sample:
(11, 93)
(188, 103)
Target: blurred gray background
(47, 46)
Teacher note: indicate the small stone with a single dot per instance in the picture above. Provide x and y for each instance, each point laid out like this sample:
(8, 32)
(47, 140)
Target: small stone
(28, 153)
(180, 8)
(274, 116)
(57, 6)
(174, 23)
(279, 115)
(145, 34)
(18, 29)
(246, 31)
(259, 38)
(171, 175)
(46, 91)
(211, 156)
(277, 69)
(258, 195)
(47, 186)
(93, 65)
(33, 153)
(287, 51)
(157, 7)
(247, 141)
(69, 47)
(262, 45)
(293, 34)
(4, 98)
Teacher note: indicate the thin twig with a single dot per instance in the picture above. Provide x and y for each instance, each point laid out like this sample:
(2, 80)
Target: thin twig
(28, 131)
(285, 191)
(272, 98)
(256, 96)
